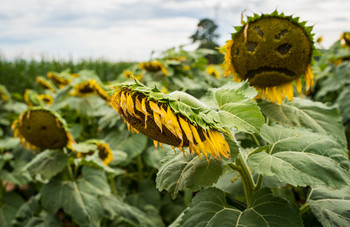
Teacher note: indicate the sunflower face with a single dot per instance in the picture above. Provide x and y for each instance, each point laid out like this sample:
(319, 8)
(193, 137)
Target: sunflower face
(271, 51)
(157, 120)
(42, 128)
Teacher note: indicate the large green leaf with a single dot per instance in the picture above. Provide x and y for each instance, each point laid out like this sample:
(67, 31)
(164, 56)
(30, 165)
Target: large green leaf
(147, 195)
(79, 198)
(133, 146)
(114, 207)
(10, 203)
(237, 110)
(305, 113)
(47, 164)
(343, 102)
(189, 172)
(331, 206)
(8, 143)
(300, 157)
(209, 208)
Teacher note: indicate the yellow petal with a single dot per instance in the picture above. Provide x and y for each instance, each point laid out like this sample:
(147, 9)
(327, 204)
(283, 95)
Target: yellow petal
(155, 143)
(123, 104)
(299, 86)
(144, 110)
(309, 77)
(154, 107)
(157, 120)
(287, 90)
(166, 120)
(186, 129)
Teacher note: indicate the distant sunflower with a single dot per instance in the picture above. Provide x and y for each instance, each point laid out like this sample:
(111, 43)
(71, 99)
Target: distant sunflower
(47, 99)
(31, 97)
(177, 119)
(128, 74)
(4, 94)
(345, 38)
(154, 66)
(103, 149)
(41, 128)
(211, 70)
(60, 81)
(46, 84)
(271, 51)
(90, 87)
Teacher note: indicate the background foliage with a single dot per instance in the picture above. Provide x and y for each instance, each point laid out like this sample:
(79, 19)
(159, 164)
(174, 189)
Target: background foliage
(289, 164)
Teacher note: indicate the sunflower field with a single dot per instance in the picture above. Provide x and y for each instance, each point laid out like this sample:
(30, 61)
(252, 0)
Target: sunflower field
(259, 140)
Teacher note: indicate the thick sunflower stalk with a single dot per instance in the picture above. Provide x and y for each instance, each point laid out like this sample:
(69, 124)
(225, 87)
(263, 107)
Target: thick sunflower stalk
(177, 119)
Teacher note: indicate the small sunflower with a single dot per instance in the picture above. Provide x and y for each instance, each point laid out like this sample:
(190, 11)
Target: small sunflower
(31, 97)
(4, 94)
(128, 74)
(59, 80)
(46, 84)
(345, 38)
(90, 87)
(103, 149)
(41, 128)
(177, 119)
(47, 99)
(154, 66)
(211, 70)
(271, 51)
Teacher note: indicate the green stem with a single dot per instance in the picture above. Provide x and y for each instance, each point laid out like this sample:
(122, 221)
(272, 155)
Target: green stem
(112, 185)
(140, 167)
(247, 178)
(243, 169)
(255, 140)
(70, 172)
(258, 183)
(304, 208)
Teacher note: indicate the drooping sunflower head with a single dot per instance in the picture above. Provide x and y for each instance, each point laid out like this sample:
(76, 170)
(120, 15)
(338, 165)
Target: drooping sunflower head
(154, 66)
(4, 94)
(59, 80)
(177, 119)
(90, 87)
(41, 128)
(271, 51)
(345, 38)
(103, 150)
(46, 84)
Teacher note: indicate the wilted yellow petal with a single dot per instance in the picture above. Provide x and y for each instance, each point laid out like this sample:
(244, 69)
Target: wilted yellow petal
(154, 107)
(298, 86)
(123, 104)
(186, 129)
(158, 121)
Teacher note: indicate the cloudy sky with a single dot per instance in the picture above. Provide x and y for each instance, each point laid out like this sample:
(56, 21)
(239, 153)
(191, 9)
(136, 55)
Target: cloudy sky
(130, 30)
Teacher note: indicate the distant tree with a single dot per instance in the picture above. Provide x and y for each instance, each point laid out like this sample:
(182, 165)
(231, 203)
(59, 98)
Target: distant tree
(206, 36)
